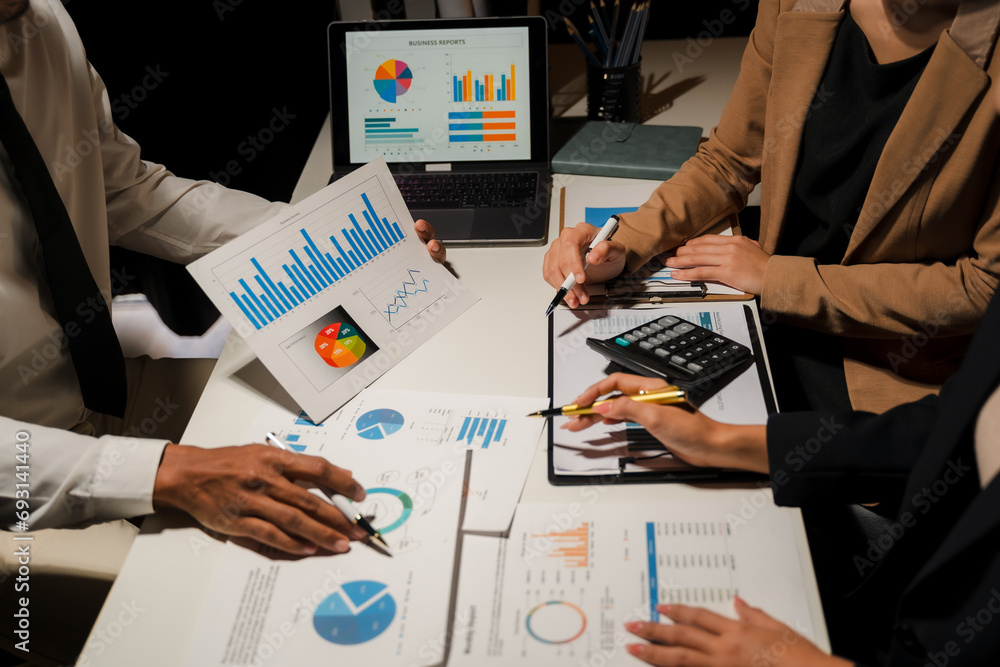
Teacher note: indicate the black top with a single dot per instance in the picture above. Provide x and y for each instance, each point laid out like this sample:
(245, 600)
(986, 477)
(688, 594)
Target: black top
(854, 110)
(921, 589)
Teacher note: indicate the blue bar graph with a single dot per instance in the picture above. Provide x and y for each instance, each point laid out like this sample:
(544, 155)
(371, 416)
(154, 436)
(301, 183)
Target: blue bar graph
(265, 295)
(489, 430)
(654, 585)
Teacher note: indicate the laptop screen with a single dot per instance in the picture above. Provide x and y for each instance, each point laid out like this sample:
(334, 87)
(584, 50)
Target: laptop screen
(438, 91)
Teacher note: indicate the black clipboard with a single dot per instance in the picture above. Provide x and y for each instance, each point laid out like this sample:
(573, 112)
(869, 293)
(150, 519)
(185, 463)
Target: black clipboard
(686, 475)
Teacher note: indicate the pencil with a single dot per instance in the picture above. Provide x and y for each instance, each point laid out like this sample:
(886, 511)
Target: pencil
(575, 34)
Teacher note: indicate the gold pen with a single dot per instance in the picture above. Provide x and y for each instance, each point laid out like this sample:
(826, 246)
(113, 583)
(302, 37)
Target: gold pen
(664, 396)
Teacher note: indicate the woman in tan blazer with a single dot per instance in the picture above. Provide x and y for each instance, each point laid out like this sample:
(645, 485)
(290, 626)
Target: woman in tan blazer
(922, 257)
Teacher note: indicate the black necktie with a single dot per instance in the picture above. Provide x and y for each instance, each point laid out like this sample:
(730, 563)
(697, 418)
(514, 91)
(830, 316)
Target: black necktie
(80, 306)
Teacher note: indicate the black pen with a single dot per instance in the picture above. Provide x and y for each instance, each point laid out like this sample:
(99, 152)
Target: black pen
(606, 231)
(339, 502)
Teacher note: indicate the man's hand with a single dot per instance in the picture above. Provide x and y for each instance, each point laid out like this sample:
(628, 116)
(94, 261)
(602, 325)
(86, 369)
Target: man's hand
(425, 232)
(565, 257)
(731, 260)
(250, 491)
(704, 638)
(690, 436)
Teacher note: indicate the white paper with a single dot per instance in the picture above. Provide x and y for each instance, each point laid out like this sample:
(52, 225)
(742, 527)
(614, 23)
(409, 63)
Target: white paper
(575, 367)
(594, 204)
(264, 609)
(559, 590)
(502, 439)
(335, 291)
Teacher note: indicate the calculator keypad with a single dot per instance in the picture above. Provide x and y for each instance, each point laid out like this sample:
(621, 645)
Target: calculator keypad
(679, 348)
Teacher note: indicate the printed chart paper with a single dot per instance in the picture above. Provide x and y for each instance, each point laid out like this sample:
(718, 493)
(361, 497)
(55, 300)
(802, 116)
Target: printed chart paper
(559, 590)
(334, 291)
(494, 428)
(356, 608)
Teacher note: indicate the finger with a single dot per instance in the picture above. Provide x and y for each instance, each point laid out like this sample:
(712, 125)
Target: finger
(648, 415)
(293, 521)
(699, 259)
(668, 656)
(606, 251)
(267, 533)
(698, 617)
(322, 473)
(755, 615)
(626, 383)
(436, 250)
(316, 507)
(719, 274)
(584, 422)
(712, 239)
(425, 230)
(673, 635)
(575, 242)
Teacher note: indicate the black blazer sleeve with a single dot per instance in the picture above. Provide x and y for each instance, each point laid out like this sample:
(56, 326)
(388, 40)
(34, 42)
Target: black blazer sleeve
(846, 457)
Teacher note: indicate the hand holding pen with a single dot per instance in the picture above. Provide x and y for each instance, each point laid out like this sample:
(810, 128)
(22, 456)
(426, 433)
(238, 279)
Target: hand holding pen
(349, 511)
(574, 256)
(687, 434)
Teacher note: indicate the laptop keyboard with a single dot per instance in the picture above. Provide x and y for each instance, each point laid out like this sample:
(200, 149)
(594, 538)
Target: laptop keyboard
(467, 190)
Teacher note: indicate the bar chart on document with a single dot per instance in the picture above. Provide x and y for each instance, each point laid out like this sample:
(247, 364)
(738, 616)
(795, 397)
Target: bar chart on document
(324, 290)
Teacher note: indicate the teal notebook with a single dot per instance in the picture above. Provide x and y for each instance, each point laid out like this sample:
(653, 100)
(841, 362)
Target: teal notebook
(627, 150)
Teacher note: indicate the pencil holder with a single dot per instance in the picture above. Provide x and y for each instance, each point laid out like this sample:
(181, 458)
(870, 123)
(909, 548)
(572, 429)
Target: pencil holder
(613, 93)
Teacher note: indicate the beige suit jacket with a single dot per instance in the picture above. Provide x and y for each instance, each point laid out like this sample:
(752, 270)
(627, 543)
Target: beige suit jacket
(924, 257)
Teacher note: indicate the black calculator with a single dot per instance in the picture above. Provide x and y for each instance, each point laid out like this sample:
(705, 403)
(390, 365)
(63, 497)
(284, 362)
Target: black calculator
(683, 353)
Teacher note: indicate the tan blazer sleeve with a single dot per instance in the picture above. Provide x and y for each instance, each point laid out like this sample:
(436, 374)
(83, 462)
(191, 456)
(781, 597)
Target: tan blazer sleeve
(717, 181)
(886, 300)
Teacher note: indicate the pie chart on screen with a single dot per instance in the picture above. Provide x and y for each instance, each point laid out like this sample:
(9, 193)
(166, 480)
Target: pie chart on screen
(340, 345)
(392, 79)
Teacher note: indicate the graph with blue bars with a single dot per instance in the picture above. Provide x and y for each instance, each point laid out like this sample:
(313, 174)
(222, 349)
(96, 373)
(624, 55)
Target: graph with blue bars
(484, 430)
(315, 262)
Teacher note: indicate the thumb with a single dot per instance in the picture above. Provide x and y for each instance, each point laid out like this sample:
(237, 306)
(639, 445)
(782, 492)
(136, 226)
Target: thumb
(606, 251)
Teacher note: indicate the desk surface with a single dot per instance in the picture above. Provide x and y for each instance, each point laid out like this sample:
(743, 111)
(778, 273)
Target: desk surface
(171, 561)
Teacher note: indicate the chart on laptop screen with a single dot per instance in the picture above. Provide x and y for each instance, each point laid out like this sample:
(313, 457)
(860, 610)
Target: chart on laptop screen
(438, 95)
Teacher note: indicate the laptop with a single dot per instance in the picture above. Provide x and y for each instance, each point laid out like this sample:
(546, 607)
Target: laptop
(459, 109)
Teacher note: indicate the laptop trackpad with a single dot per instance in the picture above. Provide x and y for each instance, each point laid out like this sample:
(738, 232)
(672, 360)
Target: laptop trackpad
(453, 224)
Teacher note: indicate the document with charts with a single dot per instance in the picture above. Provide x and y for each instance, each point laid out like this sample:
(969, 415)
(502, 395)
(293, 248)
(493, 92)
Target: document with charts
(559, 590)
(494, 429)
(334, 291)
(263, 608)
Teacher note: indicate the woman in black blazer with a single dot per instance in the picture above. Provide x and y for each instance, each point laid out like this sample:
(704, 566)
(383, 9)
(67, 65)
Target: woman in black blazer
(929, 589)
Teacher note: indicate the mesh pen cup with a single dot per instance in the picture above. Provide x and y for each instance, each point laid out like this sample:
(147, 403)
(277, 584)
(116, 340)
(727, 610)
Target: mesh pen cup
(613, 93)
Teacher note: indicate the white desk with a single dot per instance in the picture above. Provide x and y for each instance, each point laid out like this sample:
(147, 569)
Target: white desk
(171, 562)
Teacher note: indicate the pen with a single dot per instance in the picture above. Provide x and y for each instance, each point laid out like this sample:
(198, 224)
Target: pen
(606, 231)
(665, 396)
(339, 502)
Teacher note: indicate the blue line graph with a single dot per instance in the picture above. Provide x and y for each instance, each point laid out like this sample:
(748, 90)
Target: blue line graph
(409, 288)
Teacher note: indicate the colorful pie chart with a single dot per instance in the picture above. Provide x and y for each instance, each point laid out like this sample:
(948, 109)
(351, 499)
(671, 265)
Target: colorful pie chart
(392, 79)
(340, 345)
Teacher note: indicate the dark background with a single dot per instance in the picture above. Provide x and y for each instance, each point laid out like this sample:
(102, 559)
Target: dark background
(227, 65)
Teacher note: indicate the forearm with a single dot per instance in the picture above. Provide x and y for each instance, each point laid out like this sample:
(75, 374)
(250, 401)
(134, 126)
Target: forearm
(742, 447)
(71, 480)
(931, 299)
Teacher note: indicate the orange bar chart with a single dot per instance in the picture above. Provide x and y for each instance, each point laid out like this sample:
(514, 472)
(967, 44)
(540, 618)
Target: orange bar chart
(571, 546)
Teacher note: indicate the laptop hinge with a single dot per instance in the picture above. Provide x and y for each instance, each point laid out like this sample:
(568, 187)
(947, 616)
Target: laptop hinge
(438, 166)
